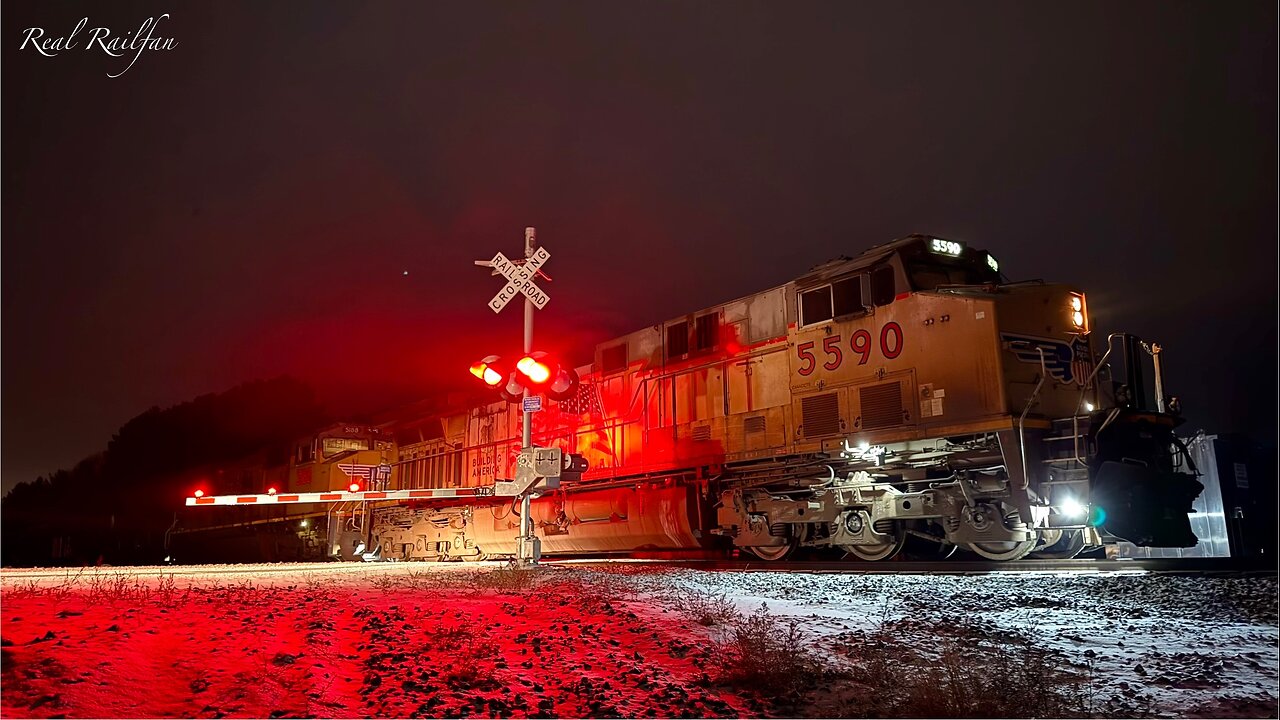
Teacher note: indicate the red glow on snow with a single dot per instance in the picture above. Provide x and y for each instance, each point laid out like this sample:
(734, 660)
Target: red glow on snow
(329, 653)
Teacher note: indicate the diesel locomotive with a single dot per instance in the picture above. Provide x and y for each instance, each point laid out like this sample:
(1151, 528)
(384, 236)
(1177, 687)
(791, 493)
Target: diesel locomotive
(910, 393)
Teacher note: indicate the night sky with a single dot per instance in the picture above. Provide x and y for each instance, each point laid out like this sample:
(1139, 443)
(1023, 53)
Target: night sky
(246, 204)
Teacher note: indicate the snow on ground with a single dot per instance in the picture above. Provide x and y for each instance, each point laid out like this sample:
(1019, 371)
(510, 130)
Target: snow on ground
(360, 640)
(1169, 645)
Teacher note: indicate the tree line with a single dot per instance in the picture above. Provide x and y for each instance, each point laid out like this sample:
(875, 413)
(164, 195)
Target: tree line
(115, 506)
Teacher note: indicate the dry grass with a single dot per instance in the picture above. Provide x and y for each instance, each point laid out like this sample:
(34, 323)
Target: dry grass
(901, 669)
(768, 656)
(891, 676)
(704, 609)
(506, 579)
(114, 588)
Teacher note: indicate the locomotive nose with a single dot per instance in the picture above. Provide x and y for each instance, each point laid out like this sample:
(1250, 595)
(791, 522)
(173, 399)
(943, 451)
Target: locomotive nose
(1145, 506)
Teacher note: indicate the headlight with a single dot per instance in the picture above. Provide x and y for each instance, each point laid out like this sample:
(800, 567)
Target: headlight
(1072, 508)
(1077, 312)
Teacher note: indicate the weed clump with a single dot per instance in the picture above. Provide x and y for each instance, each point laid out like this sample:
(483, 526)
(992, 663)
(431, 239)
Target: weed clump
(706, 610)
(768, 656)
(1008, 677)
(505, 579)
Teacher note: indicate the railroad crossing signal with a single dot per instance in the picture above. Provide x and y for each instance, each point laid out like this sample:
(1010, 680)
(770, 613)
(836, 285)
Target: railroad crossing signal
(520, 280)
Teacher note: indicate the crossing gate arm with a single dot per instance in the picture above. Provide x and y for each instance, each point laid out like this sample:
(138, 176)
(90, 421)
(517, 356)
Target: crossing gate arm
(344, 496)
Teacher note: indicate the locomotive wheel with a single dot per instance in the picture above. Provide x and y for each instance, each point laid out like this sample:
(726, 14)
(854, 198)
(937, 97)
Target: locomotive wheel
(773, 553)
(1070, 543)
(1002, 551)
(777, 553)
(883, 551)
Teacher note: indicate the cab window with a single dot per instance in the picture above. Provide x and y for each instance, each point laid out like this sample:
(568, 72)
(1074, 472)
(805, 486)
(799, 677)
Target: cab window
(846, 296)
(882, 285)
(927, 276)
(333, 446)
(815, 305)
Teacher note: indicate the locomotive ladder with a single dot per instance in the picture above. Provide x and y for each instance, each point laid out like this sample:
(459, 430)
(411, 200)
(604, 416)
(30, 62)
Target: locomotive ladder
(1066, 447)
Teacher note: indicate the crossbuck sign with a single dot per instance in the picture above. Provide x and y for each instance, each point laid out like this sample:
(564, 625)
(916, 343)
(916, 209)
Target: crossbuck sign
(520, 280)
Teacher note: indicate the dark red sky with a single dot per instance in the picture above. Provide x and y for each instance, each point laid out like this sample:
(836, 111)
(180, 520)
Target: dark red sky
(245, 204)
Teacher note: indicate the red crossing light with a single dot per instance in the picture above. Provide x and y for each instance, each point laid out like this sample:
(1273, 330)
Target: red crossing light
(354, 487)
(271, 491)
(485, 371)
(533, 367)
(199, 493)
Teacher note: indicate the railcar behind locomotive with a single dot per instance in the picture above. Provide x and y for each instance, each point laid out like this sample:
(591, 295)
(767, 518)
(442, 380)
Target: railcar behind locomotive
(907, 392)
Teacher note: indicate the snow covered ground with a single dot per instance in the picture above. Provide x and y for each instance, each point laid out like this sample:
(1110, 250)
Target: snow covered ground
(631, 640)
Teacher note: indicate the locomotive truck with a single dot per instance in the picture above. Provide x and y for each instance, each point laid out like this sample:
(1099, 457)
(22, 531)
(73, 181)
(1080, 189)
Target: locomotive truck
(911, 391)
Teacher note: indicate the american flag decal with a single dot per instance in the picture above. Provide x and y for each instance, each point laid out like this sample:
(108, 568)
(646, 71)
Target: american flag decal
(585, 401)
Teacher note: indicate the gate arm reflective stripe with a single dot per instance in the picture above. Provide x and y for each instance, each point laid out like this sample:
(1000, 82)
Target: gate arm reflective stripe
(344, 496)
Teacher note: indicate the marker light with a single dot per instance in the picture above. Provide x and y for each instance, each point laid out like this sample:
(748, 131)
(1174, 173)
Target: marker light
(304, 523)
(1072, 508)
(531, 368)
(199, 493)
(271, 491)
(1088, 407)
(991, 263)
(354, 487)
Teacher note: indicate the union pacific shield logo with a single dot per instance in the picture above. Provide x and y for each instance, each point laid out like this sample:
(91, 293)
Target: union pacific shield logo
(1065, 362)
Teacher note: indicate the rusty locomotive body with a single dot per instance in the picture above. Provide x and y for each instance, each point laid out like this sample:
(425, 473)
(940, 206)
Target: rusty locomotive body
(908, 392)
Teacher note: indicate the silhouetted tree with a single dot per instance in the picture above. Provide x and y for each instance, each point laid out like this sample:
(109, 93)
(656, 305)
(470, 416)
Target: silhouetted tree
(118, 503)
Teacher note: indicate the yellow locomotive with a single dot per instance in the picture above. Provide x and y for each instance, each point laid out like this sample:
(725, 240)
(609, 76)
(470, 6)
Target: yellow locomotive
(899, 393)
(906, 392)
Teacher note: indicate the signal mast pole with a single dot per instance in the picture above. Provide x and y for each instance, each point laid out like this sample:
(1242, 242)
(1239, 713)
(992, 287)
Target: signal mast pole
(525, 556)
(520, 281)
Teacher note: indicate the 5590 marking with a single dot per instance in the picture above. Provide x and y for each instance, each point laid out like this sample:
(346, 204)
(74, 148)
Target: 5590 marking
(891, 342)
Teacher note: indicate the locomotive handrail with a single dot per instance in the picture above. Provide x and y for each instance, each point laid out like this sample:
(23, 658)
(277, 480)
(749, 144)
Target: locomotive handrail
(1075, 422)
(1022, 421)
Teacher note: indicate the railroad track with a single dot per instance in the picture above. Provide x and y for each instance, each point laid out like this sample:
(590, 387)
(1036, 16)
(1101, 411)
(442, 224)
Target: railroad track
(1184, 566)
(1188, 566)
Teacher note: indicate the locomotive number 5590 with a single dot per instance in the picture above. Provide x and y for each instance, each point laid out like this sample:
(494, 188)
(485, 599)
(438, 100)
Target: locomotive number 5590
(860, 342)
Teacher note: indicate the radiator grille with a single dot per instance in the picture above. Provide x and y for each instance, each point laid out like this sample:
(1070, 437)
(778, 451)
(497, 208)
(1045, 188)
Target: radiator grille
(753, 424)
(701, 433)
(881, 405)
(820, 415)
